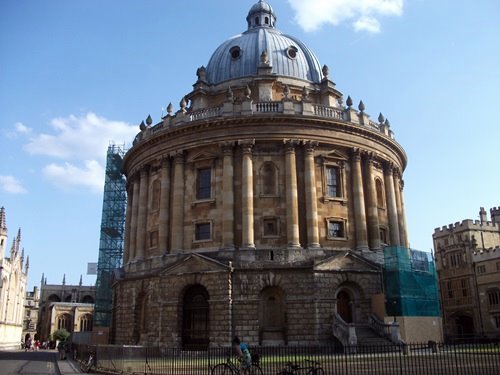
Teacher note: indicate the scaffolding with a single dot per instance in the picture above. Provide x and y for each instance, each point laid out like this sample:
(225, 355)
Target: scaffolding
(112, 233)
(410, 281)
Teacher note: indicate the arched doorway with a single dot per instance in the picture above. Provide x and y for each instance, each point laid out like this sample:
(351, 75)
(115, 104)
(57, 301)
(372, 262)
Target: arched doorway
(272, 314)
(464, 325)
(344, 306)
(195, 318)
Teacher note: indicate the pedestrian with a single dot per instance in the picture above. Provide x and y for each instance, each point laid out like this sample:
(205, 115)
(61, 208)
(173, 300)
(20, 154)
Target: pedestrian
(243, 354)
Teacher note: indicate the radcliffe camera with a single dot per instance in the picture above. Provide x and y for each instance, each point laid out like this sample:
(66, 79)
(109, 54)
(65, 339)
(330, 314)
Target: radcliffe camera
(261, 222)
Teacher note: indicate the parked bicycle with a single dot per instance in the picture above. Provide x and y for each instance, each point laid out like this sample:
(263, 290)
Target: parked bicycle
(231, 368)
(89, 364)
(310, 368)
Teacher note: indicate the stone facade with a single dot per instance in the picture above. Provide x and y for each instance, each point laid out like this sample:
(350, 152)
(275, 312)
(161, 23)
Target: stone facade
(468, 265)
(259, 208)
(65, 306)
(31, 310)
(13, 278)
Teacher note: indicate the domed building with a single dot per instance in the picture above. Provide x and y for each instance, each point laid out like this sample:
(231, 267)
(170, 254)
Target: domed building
(261, 207)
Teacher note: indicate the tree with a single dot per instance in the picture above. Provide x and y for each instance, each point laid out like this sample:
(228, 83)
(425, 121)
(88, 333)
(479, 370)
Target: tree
(60, 334)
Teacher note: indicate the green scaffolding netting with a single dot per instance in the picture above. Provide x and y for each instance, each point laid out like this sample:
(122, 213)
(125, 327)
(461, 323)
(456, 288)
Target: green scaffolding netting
(410, 282)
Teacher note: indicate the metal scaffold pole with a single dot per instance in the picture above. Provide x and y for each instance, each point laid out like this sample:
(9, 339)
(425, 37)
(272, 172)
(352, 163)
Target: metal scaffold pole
(111, 236)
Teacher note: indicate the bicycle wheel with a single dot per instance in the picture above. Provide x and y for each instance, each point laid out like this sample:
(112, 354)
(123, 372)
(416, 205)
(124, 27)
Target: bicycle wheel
(255, 370)
(222, 369)
(85, 367)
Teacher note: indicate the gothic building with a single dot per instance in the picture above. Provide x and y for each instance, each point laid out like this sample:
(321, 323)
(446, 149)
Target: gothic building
(261, 206)
(468, 266)
(13, 278)
(63, 306)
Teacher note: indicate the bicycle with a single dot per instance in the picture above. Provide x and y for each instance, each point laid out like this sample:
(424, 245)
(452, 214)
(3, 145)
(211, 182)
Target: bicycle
(89, 363)
(314, 368)
(231, 368)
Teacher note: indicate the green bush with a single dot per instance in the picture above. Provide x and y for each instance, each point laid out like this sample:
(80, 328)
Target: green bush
(60, 334)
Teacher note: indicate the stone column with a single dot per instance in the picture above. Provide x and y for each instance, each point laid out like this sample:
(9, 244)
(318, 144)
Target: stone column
(310, 196)
(227, 196)
(142, 214)
(359, 202)
(178, 204)
(133, 219)
(292, 206)
(391, 204)
(247, 195)
(372, 209)
(399, 204)
(128, 219)
(163, 224)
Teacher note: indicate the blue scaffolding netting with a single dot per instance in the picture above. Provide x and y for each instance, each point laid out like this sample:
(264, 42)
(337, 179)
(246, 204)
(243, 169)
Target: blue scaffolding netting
(112, 232)
(410, 282)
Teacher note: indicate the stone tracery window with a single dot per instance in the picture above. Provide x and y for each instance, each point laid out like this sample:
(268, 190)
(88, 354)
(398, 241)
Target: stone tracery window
(333, 180)
(86, 322)
(64, 322)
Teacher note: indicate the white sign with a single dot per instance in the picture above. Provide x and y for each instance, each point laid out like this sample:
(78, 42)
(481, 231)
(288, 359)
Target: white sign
(91, 268)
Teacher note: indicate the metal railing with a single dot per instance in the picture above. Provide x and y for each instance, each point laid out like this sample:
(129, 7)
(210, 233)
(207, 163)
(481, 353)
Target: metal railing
(410, 359)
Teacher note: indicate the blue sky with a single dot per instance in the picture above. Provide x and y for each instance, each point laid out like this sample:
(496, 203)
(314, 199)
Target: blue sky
(75, 75)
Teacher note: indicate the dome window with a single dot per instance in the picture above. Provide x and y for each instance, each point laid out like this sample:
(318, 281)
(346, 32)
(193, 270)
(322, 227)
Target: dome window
(235, 52)
(266, 20)
(291, 52)
(257, 21)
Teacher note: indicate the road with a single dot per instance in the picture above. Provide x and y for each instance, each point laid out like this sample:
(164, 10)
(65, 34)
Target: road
(28, 363)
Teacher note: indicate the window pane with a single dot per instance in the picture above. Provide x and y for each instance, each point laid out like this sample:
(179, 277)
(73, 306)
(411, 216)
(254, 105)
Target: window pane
(204, 183)
(335, 229)
(202, 231)
(332, 182)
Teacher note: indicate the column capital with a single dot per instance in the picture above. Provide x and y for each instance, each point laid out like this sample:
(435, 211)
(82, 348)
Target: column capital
(178, 157)
(388, 167)
(356, 153)
(227, 147)
(165, 160)
(290, 144)
(309, 145)
(247, 145)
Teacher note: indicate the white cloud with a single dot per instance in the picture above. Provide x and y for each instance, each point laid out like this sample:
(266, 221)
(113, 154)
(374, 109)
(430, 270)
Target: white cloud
(81, 138)
(362, 14)
(19, 129)
(10, 184)
(67, 175)
(366, 23)
(81, 143)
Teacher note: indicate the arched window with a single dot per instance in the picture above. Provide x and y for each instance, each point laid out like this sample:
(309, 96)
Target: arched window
(64, 321)
(87, 299)
(86, 323)
(380, 193)
(54, 298)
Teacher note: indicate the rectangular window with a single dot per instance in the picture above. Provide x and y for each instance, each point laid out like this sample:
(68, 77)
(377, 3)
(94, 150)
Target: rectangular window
(336, 229)
(450, 289)
(481, 269)
(333, 182)
(498, 266)
(497, 321)
(270, 227)
(204, 183)
(464, 288)
(494, 298)
(202, 232)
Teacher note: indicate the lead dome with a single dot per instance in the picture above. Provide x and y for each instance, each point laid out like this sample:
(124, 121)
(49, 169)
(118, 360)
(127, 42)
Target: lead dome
(240, 56)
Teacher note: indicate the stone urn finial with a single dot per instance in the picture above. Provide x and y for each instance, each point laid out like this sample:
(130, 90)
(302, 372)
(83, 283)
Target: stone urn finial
(286, 91)
(325, 71)
(149, 120)
(349, 101)
(264, 58)
(201, 72)
(248, 92)
(381, 118)
(305, 93)
(170, 108)
(142, 126)
(361, 106)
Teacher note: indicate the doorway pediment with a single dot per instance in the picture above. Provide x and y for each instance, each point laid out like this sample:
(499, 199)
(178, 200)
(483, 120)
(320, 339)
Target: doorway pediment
(347, 261)
(194, 263)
